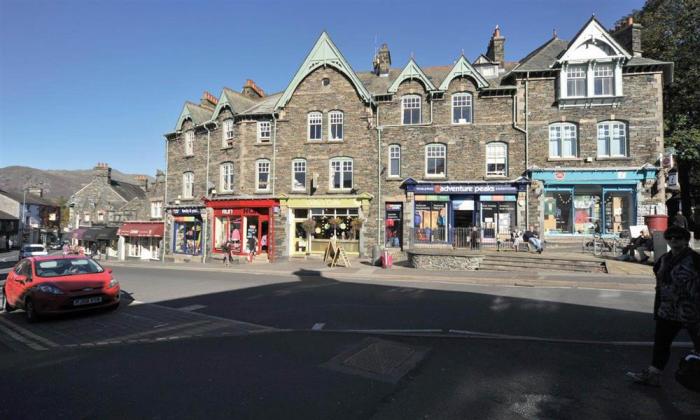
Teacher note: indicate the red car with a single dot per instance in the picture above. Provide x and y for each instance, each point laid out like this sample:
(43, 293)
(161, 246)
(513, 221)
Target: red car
(55, 284)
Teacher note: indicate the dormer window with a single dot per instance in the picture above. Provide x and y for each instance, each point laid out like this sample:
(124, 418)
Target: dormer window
(228, 132)
(410, 109)
(603, 79)
(576, 80)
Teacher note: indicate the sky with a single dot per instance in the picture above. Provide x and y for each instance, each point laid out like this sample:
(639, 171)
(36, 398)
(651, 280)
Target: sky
(91, 81)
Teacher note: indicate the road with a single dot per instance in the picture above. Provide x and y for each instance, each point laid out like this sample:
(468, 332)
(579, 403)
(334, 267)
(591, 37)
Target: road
(190, 344)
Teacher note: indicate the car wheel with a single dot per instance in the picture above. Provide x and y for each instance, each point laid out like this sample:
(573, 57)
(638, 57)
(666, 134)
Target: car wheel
(5, 303)
(30, 311)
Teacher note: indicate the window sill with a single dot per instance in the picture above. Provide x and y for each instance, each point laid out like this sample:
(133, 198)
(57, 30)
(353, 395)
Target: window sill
(431, 177)
(496, 177)
(263, 143)
(608, 158)
(228, 146)
(335, 140)
(188, 156)
(564, 159)
(339, 191)
(262, 191)
(394, 178)
(464, 123)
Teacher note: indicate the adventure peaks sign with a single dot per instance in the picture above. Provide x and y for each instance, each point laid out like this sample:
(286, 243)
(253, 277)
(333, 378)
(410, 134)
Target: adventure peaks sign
(462, 188)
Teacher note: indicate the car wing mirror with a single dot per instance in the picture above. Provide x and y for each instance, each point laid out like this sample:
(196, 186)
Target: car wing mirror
(109, 270)
(20, 278)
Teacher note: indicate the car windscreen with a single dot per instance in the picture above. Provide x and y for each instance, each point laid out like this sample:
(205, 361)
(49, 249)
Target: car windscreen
(34, 248)
(68, 267)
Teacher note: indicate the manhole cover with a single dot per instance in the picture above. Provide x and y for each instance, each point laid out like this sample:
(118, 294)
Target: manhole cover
(379, 359)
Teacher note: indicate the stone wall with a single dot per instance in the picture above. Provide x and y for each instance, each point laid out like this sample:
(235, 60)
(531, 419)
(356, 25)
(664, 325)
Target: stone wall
(443, 260)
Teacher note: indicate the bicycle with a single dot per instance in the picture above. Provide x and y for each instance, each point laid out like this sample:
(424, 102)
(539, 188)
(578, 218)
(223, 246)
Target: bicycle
(613, 245)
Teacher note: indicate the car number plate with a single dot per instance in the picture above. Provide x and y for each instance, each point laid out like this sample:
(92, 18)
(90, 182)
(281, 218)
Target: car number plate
(87, 301)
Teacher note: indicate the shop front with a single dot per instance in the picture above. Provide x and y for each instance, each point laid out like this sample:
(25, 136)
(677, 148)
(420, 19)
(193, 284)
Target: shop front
(187, 230)
(237, 222)
(141, 240)
(581, 202)
(100, 238)
(443, 210)
(393, 225)
(313, 221)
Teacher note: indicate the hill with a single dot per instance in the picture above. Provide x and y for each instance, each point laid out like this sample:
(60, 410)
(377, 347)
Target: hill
(56, 183)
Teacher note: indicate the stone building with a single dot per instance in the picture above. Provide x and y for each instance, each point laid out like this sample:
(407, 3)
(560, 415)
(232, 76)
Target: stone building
(568, 138)
(28, 218)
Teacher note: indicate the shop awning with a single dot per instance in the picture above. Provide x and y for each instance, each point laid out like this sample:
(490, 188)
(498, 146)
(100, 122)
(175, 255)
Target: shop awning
(100, 234)
(153, 230)
(78, 233)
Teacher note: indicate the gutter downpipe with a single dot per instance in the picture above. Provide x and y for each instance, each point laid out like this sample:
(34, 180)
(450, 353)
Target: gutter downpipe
(274, 152)
(206, 194)
(165, 199)
(527, 149)
(524, 131)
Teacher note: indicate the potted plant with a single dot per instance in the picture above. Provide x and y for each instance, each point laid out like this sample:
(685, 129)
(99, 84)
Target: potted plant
(309, 227)
(335, 221)
(355, 226)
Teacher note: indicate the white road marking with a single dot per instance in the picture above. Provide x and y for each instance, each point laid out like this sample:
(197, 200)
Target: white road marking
(318, 326)
(192, 307)
(32, 345)
(28, 334)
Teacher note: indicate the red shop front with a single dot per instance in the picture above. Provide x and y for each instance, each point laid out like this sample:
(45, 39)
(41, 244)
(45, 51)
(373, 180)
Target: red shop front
(237, 221)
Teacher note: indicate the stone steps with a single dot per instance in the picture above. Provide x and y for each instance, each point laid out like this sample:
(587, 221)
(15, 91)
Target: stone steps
(505, 262)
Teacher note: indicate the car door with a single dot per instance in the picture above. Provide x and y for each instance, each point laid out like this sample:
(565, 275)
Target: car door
(12, 285)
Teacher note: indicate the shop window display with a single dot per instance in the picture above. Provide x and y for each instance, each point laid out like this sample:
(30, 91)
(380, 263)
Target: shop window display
(430, 220)
(188, 237)
(619, 211)
(393, 222)
(587, 212)
(557, 212)
(338, 222)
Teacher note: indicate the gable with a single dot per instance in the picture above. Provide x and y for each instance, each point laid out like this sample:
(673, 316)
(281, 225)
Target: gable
(323, 53)
(193, 112)
(412, 72)
(593, 42)
(462, 68)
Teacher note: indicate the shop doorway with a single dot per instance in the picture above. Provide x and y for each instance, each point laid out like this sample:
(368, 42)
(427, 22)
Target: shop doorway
(464, 218)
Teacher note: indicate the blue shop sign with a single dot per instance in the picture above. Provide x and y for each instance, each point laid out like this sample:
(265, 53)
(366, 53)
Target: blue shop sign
(186, 211)
(462, 188)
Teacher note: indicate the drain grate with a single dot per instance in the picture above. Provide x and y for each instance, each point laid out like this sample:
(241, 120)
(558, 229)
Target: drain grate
(378, 359)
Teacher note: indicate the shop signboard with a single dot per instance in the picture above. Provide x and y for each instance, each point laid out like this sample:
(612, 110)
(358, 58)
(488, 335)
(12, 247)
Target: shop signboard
(186, 211)
(462, 188)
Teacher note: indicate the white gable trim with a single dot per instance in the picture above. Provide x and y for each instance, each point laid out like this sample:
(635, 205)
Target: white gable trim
(594, 32)
(323, 53)
(184, 116)
(223, 102)
(462, 68)
(411, 71)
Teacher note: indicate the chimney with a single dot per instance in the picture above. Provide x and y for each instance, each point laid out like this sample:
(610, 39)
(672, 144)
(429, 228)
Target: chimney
(39, 192)
(496, 51)
(103, 172)
(382, 61)
(160, 177)
(629, 35)
(208, 100)
(142, 181)
(251, 90)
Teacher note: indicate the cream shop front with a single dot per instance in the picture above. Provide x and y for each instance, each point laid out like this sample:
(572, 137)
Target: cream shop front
(440, 210)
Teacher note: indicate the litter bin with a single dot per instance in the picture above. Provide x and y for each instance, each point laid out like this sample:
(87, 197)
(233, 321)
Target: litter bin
(376, 255)
(656, 222)
(387, 259)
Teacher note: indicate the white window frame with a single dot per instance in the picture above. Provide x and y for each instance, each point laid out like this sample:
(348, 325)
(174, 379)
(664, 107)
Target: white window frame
(335, 118)
(468, 102)
(314, 118)
(606, 131)
(156, 209)
(264, 131)
(436, 151)
(297, 165)
(189, 143)
(577, 72)
(262, 166)
(602, 72)
(497, 158)
(394, 153)
(560, 133)
(188, 184)
(342, 165)
(411, 102)
(227, 132)
(226, 177)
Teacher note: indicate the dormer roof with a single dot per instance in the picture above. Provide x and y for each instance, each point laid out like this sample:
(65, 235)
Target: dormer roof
(324, 53)
(194, 112)
(462, 68)
(235, 101)
(591, 42)
(412, 71)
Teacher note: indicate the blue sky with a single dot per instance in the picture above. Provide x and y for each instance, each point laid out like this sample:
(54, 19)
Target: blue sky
(83, 82)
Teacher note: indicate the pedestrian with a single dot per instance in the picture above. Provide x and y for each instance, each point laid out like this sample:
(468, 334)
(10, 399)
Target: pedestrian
(66, 249)
(252, 247)
(639, 245)
(680, 220)
(93, 250)
(677, 302)
(532, 236)
(226, 252)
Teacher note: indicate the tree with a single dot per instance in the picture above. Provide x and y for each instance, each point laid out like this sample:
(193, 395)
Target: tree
(671, 34)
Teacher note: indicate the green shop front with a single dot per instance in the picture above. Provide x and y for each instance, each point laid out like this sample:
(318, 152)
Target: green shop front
(586, 201)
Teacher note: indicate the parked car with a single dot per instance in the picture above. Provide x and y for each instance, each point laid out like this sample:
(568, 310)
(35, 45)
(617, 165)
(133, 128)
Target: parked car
(56, 284)
(32, 250)
(56, 245)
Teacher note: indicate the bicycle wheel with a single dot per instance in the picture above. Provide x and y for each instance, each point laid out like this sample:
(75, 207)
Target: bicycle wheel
(597, 247)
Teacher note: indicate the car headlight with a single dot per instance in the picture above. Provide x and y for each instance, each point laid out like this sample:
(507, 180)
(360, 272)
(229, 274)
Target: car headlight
(49, 288)
(113, 283)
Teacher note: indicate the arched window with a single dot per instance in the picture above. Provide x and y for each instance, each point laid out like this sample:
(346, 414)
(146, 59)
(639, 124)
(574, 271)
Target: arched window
(394, 161)
(563, 142)
(226, 171)
(612, 139)
(227, 132)
(262, 175)
(410, 109)
(299, 174)
(435, 160)
(335, 122)
(188, 185)
(462, 110)
(189, 143)
(341, 174)
(315, 124)
(496, 159)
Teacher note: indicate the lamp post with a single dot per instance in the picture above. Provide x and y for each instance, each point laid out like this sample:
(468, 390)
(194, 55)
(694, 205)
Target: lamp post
(24, 204)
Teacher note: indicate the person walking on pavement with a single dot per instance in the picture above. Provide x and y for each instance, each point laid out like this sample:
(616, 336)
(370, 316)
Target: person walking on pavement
(677, 302)
(532, 237)
(227, 254)
(252, 247)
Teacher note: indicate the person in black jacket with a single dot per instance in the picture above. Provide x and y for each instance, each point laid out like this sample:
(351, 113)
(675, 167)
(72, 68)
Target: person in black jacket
(677, 302)
(532, 236)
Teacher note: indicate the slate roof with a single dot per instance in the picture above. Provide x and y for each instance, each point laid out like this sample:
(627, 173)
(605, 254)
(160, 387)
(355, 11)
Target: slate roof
(542, 58)
(28, 198)
(238, 101)
(199, 113)
(127, 191)
(266, 105)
